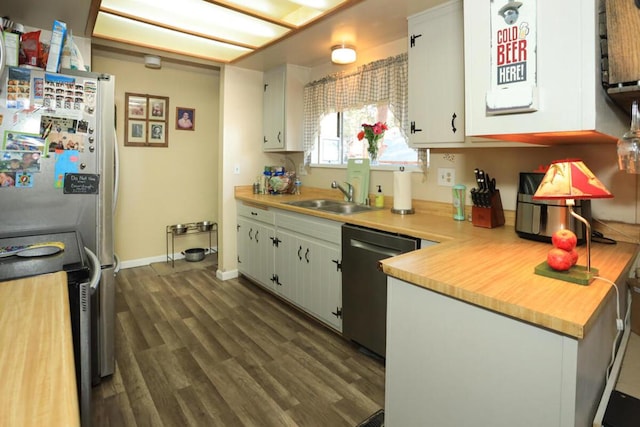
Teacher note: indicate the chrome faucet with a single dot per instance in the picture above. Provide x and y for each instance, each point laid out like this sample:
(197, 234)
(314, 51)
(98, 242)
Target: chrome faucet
(348, 192)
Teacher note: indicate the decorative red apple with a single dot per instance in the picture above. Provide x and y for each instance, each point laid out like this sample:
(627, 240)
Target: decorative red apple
(564, 239)
(559, 259)
(574, 256)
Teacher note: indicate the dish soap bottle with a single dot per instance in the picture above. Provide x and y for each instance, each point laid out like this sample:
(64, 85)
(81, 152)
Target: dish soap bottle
(379, 203)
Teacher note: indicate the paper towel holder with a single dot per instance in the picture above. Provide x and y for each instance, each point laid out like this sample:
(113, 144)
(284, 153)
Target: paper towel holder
(402, 211)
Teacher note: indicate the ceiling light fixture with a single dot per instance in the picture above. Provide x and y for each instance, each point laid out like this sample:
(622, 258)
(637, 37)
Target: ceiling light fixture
(343, 54)
(152, 61)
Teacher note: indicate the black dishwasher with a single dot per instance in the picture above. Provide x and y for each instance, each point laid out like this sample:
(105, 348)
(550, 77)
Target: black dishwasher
(364, 287)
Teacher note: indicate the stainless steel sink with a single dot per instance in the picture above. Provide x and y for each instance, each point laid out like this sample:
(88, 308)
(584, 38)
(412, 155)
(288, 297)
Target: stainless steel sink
(314, 204)
(345, 209)
(329, 205)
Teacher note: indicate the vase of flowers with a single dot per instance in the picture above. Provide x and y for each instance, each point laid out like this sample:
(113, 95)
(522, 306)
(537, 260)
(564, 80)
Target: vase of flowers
(373, 133)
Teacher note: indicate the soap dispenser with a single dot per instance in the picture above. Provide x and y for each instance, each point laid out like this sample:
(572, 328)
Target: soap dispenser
(379, 203)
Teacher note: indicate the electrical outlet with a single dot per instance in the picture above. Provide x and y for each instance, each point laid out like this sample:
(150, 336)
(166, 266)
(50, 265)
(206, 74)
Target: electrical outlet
(236, 169)
(301, 169)
(446, 177)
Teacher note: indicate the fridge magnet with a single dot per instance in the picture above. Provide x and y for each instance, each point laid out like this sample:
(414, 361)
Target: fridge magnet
(146, 120)
(18, 161)
(513, 57)
(21, 141)
(7, 179)
(24, 180)
(66, 162)
(185, 118)
(65, 141)
(18, 88)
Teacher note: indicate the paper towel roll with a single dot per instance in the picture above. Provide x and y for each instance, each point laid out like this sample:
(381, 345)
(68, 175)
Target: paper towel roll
(401, 191)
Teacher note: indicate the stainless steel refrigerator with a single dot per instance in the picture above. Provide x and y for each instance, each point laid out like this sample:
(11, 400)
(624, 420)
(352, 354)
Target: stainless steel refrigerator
(57, 169)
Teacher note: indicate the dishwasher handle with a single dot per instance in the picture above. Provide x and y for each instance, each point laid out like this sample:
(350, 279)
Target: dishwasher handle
(372, 247)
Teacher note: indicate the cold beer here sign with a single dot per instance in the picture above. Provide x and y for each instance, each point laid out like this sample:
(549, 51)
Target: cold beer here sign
(513, 57)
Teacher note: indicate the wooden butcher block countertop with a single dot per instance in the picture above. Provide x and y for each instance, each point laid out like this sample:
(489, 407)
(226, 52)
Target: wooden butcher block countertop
(491, 268)
(38, 385)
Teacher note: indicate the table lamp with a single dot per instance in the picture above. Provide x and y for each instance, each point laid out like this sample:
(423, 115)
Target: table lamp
(569, 180)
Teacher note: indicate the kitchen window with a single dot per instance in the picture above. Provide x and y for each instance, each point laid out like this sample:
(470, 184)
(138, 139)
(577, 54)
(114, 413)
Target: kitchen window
(338, 142)
(336, 106)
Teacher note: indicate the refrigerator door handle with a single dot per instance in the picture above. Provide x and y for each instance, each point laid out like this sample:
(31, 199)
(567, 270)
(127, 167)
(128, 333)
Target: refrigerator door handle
(95, 270)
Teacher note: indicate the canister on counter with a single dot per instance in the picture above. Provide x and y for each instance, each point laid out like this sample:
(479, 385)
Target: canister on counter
(458, 201)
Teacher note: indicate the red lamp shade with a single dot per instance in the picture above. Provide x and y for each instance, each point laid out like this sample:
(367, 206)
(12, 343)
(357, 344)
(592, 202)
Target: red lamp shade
(570, 179)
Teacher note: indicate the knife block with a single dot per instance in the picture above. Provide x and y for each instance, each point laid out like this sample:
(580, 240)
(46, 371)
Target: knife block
(489, 217)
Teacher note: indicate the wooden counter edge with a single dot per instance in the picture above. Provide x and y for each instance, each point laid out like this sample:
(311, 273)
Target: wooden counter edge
(36, 351)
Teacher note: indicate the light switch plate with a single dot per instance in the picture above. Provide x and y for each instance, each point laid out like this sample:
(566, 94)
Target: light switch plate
(446, 177)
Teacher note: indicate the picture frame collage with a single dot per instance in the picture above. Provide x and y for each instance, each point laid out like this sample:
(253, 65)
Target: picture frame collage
(146, 118)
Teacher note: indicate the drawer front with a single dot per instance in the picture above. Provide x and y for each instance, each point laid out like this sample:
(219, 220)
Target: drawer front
(317, 228)
(262, 214)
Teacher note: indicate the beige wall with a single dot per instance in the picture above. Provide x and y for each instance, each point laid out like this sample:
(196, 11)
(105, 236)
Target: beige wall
(163, 186)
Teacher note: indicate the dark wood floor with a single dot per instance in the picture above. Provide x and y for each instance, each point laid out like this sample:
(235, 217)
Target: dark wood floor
(195, 351)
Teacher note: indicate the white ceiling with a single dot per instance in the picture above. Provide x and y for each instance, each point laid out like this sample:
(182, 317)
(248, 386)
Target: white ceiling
(365, 25)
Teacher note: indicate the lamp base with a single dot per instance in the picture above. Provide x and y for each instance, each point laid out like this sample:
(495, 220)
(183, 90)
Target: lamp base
(576, 274)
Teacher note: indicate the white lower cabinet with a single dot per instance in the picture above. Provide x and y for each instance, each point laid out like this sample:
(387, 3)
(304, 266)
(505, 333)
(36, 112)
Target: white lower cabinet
(451, 363)
(300, 261)
(256, 233)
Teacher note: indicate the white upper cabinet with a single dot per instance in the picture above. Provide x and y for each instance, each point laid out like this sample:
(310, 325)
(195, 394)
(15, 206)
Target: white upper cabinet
(283, 108)
(436, 77)
(558, 43)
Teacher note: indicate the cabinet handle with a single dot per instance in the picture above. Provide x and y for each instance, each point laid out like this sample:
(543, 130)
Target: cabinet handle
(275, 241)
(300, 250)
(338, 264)
(413, 39)
(279, 133)
(453, 125)
(414, 129)
(264, 139)
(251, 234)
(257, 241)
(265, 86)
(337, 313)
(306, 255)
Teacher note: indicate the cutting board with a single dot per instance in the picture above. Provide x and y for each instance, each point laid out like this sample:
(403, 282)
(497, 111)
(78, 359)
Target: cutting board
(358, 176)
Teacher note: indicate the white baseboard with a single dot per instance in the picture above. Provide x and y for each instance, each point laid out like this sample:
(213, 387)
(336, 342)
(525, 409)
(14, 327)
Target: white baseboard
(226, 275)
(160, 258)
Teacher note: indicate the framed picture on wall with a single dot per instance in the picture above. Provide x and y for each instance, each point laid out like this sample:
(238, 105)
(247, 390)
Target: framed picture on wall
(157, 132)
(136, 107)
(146, 120)
(136, 131)
(158, 108)
(185, 118)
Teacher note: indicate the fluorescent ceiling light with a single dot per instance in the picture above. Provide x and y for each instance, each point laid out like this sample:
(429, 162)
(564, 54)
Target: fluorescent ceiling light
(221, 30)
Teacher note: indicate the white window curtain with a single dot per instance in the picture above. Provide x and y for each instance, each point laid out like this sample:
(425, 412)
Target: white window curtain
(385, 80)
